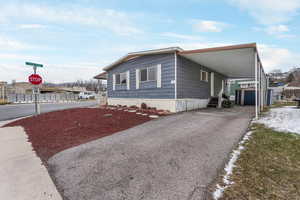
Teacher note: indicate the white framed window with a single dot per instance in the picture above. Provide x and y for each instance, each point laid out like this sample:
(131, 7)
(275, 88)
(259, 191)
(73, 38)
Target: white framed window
(118, 79)
(148, 74)
(203, 75)
(121, 78)
(152, 73)
(143, 75)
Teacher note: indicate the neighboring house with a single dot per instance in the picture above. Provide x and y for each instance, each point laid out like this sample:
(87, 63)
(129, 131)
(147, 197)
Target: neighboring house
(291, 90)
(277, 94)
(179, 80)
(3, 90)
(20, 88)
(236, 84)
(242, 91)
(102, 82)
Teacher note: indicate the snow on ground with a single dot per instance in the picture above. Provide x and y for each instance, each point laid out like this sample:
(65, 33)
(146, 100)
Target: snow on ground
(229, 167)
(285, 119)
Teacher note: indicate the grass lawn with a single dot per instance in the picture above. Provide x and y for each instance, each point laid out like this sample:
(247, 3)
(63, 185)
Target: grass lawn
(269, 167)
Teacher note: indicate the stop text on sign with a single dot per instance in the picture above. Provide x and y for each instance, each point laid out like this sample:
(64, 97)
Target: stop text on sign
(35, 79)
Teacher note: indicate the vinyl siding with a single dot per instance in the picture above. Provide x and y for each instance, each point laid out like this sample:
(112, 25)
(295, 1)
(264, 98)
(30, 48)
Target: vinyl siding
(147, 89)
(189, 84)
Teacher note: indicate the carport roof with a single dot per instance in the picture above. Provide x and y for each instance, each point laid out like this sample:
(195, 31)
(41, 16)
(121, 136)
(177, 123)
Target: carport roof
(236, 61)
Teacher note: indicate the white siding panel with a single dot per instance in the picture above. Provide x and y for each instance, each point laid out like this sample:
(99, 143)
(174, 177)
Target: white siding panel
(128, 80)
(137, 78)
(159, 75)
(114, 81)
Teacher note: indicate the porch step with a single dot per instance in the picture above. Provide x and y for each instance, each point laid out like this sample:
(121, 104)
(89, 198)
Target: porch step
(213, 102)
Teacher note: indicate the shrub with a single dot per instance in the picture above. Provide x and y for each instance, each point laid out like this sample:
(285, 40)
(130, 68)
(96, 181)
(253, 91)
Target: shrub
(144, 106)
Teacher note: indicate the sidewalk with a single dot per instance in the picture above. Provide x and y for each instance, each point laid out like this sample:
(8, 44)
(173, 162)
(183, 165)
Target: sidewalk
(22, 176)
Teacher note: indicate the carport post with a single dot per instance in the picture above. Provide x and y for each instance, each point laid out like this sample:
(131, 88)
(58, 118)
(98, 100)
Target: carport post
(256, 92)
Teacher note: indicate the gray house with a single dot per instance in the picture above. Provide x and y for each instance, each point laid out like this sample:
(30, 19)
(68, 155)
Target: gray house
(178, 80)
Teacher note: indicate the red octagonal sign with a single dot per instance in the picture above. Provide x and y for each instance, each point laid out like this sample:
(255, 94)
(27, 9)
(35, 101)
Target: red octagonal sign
(35, 79)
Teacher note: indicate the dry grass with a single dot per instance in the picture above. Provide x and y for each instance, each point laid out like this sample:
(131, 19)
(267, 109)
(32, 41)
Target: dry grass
(269, 168)
(3, 102)
(281, 104)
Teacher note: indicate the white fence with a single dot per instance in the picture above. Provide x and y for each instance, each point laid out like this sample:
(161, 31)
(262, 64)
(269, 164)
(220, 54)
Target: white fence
(43, 98)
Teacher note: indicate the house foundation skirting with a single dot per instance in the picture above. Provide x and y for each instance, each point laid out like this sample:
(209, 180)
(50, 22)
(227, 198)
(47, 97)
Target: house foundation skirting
(173, 105)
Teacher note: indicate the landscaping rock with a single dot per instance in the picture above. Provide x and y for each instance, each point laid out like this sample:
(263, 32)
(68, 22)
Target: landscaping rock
(56, 131)
(131, 110)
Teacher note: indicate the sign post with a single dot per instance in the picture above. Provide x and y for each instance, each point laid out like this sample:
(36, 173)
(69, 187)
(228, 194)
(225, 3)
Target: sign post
(35, 79)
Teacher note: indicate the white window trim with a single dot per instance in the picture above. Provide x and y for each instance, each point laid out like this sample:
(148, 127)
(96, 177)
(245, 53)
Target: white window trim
(206, 77)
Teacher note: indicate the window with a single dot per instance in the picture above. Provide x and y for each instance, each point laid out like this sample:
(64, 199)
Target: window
(121, 78)
(203, 76)
(152, 73)
(148, 74)
(118, 80)
(144, 75)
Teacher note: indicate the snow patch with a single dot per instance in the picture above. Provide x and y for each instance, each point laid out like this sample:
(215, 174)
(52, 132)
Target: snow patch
(230, 166)
(285, 119)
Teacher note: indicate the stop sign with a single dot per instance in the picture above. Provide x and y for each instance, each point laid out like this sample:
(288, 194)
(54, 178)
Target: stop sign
(35, 79)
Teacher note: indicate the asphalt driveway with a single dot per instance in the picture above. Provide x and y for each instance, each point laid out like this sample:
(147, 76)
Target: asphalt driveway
(174, 157)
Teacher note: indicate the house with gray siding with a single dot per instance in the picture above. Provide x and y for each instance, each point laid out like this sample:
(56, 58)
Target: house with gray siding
(177, 80)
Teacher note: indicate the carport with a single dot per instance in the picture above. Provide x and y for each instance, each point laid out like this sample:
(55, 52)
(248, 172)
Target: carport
(237, 61)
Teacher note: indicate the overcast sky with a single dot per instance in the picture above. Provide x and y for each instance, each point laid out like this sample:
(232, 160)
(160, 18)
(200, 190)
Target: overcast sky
(75, 39)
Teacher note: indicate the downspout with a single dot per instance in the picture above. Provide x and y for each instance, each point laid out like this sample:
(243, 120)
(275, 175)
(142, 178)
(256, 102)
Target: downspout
(175, 75)
(175, 86)
(256, 92)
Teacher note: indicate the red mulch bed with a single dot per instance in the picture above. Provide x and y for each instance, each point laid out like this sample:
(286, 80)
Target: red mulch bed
(53, 132)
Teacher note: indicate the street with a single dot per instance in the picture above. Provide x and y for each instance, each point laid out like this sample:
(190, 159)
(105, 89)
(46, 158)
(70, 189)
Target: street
(13, 111)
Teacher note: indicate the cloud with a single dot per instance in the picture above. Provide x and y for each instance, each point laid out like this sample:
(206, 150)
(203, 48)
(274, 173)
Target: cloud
(50, 72)
(279, 31)
(275, 29)
(208, 25)
(7, 56)
(181, 36)
(31, 26)
(274, 57)
(11, 44)
(269, 11)
(109, 19)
